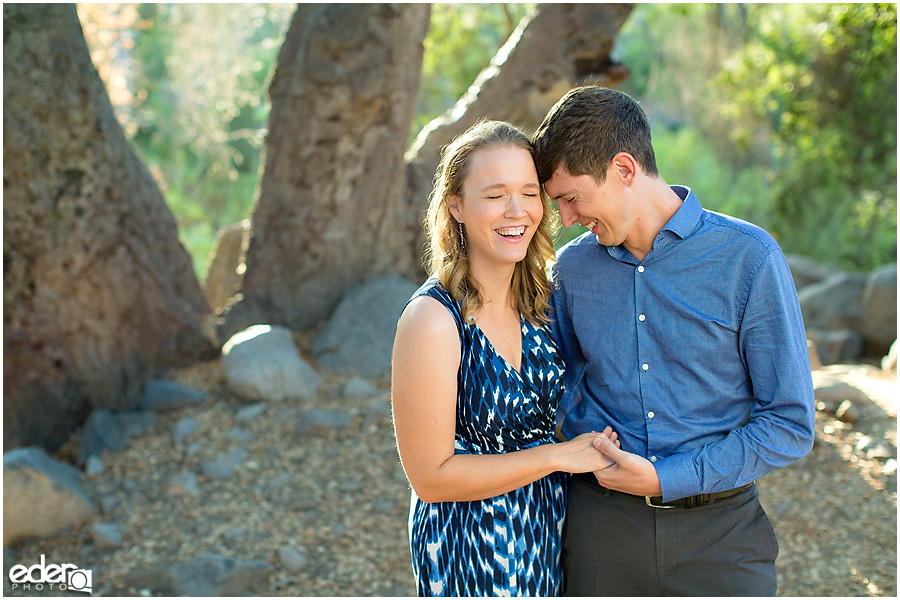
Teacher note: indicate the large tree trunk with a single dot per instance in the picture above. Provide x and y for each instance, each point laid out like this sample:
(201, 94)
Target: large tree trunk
(554, 48)
(332, 211)
(97, 291)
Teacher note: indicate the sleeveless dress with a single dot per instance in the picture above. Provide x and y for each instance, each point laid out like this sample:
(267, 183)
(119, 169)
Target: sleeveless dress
(508, 545)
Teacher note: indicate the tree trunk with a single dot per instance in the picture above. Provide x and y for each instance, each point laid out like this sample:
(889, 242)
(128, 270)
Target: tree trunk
(97, 291)
(554, 48)
(332, 211)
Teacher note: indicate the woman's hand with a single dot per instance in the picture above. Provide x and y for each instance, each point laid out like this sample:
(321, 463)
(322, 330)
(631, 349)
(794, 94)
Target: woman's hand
(580, 456)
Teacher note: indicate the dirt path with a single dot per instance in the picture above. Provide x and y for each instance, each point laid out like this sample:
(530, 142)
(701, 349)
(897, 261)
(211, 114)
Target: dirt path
(340, 498)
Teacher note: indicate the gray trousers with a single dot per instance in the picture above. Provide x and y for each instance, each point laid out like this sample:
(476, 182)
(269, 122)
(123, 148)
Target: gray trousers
(616, 545)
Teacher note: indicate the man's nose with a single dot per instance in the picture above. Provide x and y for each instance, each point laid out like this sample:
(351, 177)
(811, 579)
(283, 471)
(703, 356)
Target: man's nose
(566, 214)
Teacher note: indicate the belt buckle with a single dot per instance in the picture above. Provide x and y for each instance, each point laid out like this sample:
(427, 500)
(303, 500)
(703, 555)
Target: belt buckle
(650, 504)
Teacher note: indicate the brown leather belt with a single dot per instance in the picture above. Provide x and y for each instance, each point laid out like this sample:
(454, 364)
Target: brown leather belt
(656, 501)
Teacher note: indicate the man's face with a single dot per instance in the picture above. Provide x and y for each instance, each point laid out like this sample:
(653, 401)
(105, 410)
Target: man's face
(602, 208)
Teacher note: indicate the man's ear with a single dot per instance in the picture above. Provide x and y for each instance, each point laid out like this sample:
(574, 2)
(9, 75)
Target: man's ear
(453, 205)
(626, 167)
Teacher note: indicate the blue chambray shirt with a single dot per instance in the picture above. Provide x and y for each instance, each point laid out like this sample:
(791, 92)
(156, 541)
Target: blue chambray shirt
(696, 356)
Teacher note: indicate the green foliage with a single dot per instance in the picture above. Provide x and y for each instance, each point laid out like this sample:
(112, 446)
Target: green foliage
(462, 39)
(786, 111)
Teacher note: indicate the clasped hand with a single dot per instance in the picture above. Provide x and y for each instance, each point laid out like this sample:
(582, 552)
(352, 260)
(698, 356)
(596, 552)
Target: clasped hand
(626, 472)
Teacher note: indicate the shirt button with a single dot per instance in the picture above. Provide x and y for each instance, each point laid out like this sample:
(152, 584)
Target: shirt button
(651, 414)
(652, 459)
(641, 318)
(641, 269)
(645, 366)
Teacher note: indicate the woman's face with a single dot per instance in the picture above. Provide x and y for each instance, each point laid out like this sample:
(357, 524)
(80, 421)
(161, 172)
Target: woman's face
(500, 206)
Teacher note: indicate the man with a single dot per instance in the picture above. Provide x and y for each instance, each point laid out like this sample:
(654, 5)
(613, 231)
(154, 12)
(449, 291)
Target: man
(681, 329)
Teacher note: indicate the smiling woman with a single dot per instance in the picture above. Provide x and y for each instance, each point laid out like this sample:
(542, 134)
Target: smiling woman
(476, 380)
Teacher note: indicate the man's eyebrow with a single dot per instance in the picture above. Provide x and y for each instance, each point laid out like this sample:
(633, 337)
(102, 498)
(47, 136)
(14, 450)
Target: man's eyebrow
(563, 195)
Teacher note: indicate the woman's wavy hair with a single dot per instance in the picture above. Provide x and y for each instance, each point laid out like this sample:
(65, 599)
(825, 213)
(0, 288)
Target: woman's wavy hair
(446, 257)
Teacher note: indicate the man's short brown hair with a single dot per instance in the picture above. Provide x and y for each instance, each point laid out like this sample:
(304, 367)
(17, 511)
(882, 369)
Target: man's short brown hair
(587, 128)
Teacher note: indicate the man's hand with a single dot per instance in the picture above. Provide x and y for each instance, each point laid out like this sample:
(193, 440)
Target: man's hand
(631, 474)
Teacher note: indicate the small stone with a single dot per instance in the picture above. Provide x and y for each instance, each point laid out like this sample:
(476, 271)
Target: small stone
(847, 412)
(278, 482)
(108, 503)
(863, 443)
(241, 435)
(291, 559)
(184, 484)
(193, 448)
(848, 512)
(889, 362)
(783, 508)
(224, 466)
(383, 507)
(251, 412)
(878, 452)
(107, 536)
(94, 466)
(162, 396)
(234, 535)
(358, 387)
(183, 429)
(890, 466)
(316, 422)
(379, 412)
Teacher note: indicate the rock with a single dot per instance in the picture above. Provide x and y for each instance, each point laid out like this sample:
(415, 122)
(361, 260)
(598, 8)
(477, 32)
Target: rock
(359, 337)
(184, 485)
(162, 396)
(879, 452)
(836, 347)
(182, 429)
(225, 271)
(890, 361)
(847, 412)
(108, 504)
(806, 271)
(107, 536)
(358, 387)
(832, 392)
(108, 430)
(379, 412)
(41, 496)
(207, 575)
(814, 361)
(233, 535)
(783, 508)
(878, 310)
(224, 466)
(241, 435)
(833, 303)
(291, 559)
(262, 363)
(278, 482)
(94, 466)
(890, 466)
(251, 412)
(316, 422)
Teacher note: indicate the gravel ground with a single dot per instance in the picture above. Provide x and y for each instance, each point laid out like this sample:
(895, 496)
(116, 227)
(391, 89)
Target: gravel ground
(344, 499)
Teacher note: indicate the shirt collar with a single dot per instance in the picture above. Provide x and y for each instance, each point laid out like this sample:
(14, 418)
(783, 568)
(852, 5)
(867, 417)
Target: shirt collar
(687, 217)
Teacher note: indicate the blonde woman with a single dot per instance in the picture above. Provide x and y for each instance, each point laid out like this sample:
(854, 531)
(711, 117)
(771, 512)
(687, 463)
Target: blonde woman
(477, 379)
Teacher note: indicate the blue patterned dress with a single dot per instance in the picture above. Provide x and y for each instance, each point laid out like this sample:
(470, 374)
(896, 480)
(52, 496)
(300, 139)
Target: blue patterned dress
(508, 545)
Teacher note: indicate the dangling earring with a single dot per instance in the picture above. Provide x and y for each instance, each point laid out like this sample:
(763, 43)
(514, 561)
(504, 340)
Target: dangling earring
(462, 238)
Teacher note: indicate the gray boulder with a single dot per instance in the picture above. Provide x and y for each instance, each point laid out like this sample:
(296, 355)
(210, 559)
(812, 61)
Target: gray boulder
(878, 310)
(182, 429)
(359, 337)
(41, 496)
(207, 575)
(836, 346)
(263, 363)
(108, 430)
(162, 395)
(806, 271)
(833, 303)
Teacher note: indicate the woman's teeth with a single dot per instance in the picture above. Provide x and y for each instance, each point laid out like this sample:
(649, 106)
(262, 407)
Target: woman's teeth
(512, 231)
(591, 225)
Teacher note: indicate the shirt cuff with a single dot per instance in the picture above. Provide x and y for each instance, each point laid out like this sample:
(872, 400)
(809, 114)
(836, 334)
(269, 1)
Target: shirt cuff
(677, 476)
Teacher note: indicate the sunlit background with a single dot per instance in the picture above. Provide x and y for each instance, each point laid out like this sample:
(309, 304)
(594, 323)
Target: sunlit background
(781, 114)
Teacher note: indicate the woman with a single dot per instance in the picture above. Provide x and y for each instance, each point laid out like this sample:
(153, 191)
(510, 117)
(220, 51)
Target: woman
(476, 380)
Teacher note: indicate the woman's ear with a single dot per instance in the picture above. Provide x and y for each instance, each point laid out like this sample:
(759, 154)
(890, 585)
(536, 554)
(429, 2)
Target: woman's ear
(453, 205)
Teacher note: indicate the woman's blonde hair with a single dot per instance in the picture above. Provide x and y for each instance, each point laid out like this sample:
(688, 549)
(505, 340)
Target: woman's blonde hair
(446, 257)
